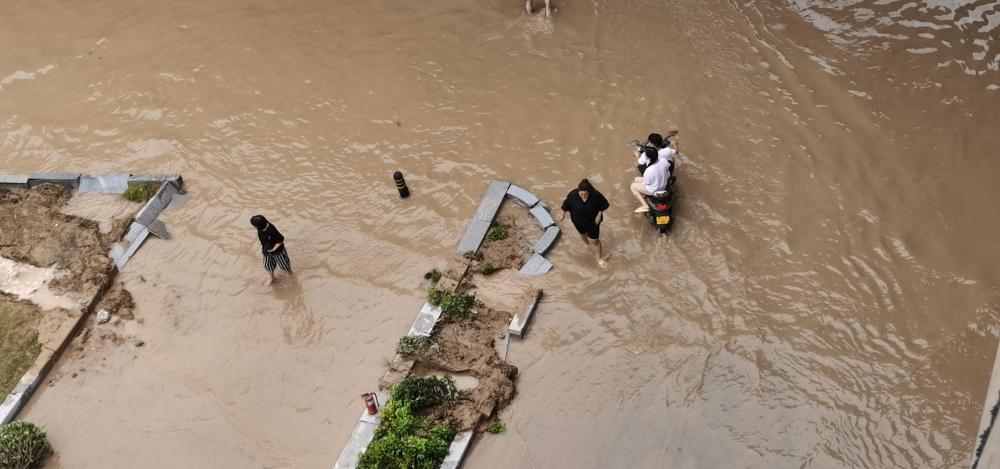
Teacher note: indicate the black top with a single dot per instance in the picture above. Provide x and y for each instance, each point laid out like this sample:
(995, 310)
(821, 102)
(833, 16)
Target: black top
(269, 238)
(584, 214)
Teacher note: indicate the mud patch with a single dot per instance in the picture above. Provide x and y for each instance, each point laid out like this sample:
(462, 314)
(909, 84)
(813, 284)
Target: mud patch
(512, 251)
(118, 301)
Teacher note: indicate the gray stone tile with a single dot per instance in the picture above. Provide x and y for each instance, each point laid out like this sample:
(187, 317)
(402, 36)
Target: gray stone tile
(522, 196)
(519, 323)
(426, 319)
(155, 205)
(13, 181)
(104, 183)
(65, 179)
(536, 265)
(134, 246)
(159, 229)
(133, 232)
(490, 204)
(175, 179)
(456, 452)
(480, 223)
(547, 240)
(361, 437)
(542, 217)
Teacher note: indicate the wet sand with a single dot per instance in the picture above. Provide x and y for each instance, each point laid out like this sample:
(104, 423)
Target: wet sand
(828, 297)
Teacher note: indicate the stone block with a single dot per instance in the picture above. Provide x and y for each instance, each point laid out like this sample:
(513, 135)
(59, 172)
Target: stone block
(64, 179)
(426, 319)
(173, 179)
(519, 323)
(483, 218)
(536, 265)
(13, 181)
(458, 449)
(492, 200)
(361, 437)
(104, 183)
(19, 396)
(522, 196)
(547, 240)
(133, 232)
(121, 257)
(542, 217)
(155, 205)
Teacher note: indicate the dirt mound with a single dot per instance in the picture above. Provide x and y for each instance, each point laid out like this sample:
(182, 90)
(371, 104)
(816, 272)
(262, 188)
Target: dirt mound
(37, 233)
(510, 252)
(118, 301)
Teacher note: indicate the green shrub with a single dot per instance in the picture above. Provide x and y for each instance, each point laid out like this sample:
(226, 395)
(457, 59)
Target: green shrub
(434, 296)
(487, 268)
(457, 305)
(410, 346)
(497, 428)
(424, 393)
(405, 440)
(140, 192)
(497, 233)
(22, 445)
(434, 276)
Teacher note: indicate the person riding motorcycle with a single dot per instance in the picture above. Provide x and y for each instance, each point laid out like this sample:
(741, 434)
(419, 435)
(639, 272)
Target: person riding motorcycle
(665, 148)
(654, 179)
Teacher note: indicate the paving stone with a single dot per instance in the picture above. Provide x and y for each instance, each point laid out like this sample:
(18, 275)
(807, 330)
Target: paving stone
(542, 217)
(155, 205)
(65, 179)
(133, 232)
(456, 452)
(547, 240)
(483, 218)
(519, 323)
(522, 196)
(175, 179)
(104, 183)
(361, 437)
(178, 201)
(425, 321)
(13, 181)
(122, 259)
(536, 265)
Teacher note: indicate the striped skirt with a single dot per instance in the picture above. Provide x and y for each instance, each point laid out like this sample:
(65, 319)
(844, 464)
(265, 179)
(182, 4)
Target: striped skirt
(277, 259)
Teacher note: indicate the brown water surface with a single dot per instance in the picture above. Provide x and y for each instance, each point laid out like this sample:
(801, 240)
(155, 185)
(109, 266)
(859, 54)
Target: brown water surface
(828, 298)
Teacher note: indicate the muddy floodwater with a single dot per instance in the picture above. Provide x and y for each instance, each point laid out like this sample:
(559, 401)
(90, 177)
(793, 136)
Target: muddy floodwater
(829, 296)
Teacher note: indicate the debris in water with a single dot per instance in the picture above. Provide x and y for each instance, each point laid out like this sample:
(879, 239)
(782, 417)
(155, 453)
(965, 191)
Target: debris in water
(103, 316)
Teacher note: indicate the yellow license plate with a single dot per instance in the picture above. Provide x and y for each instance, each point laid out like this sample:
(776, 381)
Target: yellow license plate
(663, 220)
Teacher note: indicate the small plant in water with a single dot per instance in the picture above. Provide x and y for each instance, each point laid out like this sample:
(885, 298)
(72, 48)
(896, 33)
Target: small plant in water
(497, 428)
(140, 192)
(434, 276)
(434, 296)
(458, 305)
(486, 268)
(497, 233)
(410, 346)
(424, 392)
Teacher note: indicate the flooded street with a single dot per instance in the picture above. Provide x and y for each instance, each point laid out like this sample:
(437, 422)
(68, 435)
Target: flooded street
(829, 296)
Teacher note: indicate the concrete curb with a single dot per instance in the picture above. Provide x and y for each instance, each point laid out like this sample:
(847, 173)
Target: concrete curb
(48, 357)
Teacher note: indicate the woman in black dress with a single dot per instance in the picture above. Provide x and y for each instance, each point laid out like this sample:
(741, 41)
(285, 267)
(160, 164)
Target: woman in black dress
(272, 246)
(586, 207)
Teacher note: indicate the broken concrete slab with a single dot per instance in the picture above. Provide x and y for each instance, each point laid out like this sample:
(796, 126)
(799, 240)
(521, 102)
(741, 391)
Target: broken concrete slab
(64, 179)
(522, 196)
(481, 221)
(547, 240)
(159, 229)
(133, 232)
(155, 205)
(173, 179)
(121, 256)
(178, 201)
(456, 452)
(13, 181)
(426, 319)
(542, 217)
(519, 323)
(115, 183)
(536, 265)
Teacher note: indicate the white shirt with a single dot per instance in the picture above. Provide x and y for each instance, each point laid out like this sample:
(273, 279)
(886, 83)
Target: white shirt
(666, 153)
(656, 176)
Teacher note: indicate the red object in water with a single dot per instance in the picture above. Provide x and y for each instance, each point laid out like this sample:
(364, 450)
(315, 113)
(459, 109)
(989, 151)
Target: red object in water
(371, 402)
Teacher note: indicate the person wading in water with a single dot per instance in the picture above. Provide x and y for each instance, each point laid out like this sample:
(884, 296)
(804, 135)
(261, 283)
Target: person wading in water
(272, 246)
(586, 208)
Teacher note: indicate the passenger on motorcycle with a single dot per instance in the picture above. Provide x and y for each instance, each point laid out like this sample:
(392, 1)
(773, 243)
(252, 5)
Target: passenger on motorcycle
(665, 148)
(654, 179)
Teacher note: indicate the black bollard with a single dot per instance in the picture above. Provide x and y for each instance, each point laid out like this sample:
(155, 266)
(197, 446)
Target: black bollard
(404, 191)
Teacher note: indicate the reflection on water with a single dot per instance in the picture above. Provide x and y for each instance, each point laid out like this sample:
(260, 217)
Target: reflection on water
(828, 297)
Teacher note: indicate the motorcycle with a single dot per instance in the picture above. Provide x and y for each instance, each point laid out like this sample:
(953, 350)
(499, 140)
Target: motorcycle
(661, 202)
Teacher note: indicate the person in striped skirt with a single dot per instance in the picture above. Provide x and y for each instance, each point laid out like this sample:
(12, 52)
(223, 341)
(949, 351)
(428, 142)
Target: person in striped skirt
(272, 246)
